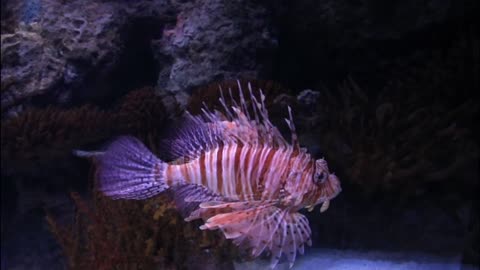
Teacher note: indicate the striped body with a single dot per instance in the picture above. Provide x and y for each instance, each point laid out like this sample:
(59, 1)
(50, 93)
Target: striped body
(238, 172)
(233, 170)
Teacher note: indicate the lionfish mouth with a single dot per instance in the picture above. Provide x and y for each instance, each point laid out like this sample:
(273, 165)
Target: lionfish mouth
(325, 205)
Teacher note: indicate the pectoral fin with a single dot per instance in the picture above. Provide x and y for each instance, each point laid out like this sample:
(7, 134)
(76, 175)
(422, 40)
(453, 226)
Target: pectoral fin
(264, 228)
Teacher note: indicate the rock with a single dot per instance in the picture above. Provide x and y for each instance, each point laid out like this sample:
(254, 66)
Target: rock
(55, 48)
(51, 47)
(214, 40)
(30, 66)
(308, 97)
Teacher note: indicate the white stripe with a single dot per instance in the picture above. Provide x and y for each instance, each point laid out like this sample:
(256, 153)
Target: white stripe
(244, 183)
(198, 173)
(190, 172)
(231, 170)
(176, 174)
(208, 156)
(212, 169)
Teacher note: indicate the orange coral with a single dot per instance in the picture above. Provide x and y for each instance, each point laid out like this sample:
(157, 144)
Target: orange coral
(40, 135)
(43, 135)
(135, 235)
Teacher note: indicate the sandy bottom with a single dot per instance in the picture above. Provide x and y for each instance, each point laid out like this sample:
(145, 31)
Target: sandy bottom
(371, 260)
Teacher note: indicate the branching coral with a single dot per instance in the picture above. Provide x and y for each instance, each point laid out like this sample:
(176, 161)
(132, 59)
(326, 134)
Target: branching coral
(109, 235)
(43, 135)
(136, 235)
(141, 113)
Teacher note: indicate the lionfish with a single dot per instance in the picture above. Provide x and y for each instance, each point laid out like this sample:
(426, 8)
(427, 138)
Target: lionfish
(235, 171)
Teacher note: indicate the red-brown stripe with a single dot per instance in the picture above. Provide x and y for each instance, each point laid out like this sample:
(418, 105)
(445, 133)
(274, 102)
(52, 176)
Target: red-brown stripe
(236, 170)
(266, 167)
(247, 163)
(255, 158)
(169, 175)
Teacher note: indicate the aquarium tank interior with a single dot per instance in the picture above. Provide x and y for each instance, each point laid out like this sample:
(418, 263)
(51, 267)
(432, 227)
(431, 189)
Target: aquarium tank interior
(210, 134)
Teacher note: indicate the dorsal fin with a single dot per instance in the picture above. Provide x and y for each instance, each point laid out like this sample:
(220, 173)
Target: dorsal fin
(192, 138)
(291, 126)
(213, 128)
(237, 122)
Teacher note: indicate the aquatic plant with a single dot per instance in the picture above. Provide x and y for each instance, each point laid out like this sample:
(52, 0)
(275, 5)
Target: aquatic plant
(415, 135)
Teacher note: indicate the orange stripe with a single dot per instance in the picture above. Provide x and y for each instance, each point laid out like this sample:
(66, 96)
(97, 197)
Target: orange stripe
(168, 174)
(304, 182)
(236, 172)
(257, 166)
(248, 177)
(266, 167)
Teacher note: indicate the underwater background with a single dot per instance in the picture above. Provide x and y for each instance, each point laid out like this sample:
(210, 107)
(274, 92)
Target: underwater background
(386, 91)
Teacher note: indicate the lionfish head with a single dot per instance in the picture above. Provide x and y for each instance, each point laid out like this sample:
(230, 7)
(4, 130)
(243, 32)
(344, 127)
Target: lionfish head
(326, 186)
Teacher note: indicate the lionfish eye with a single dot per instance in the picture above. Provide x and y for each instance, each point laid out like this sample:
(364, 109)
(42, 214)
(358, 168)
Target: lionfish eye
(320, 178)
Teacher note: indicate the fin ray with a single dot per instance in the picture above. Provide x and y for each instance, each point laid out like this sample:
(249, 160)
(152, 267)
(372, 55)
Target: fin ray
(128, 170)
(262, 228)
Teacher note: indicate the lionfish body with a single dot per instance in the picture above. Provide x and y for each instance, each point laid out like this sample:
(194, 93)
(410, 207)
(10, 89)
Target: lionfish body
(233, 170)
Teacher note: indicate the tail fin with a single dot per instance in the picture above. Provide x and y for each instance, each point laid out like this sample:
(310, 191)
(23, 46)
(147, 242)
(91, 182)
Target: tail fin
(128, 170)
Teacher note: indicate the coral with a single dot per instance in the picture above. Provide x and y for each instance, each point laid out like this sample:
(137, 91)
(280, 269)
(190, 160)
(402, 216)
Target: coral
(141, 113)
(42, 135)
(107, 235)
(110, 234)
(137, 235)
(39, 136)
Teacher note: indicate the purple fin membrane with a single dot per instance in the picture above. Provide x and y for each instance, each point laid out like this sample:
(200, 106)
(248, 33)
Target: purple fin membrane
(128, 170)
(193, 137)
(189, 196)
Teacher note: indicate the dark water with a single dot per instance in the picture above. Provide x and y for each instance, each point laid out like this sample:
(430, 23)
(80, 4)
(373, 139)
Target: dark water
(409, 179)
